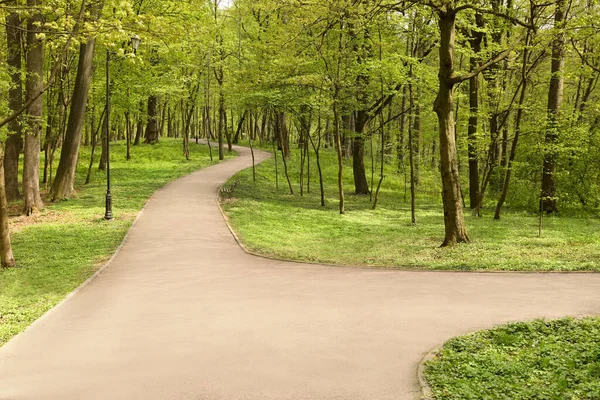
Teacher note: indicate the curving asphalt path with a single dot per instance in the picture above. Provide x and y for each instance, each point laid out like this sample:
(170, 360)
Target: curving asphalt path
(183, 313)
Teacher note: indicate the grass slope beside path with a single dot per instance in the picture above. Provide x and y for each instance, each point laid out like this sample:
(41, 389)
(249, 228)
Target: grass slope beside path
(63, 246)
(550, 360)
(274, 223)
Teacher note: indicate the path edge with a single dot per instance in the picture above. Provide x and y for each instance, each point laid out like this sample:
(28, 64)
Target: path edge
(370, 267)
(426, 391)
(107, 264)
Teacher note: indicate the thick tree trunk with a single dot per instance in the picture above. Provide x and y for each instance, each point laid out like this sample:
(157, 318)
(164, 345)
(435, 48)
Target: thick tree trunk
(63, 186)
(6, 255)
(555, 96)
(361, 186)
(152, 126)
(138, 132)
(15, 101)
(455, 228)
(34, 84)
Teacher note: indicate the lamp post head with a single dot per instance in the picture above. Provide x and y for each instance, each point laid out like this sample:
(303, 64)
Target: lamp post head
(135, 43)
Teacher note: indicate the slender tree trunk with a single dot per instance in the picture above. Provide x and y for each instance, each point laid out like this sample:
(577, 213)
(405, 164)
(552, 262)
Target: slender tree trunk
(128, 134)
(222, 124)
(316, 149)
(34, 84)
(400, 143)
(476, 39)
(519, 116)
(63, 186)
(240, 124)
(338, 143)
(15, 101)
(411, 152)
(6, 255)
(555, 97)
(285, 171)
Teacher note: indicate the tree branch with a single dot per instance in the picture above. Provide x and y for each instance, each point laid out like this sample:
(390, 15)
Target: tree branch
(585, 61)
(499, 14)
(55, 69)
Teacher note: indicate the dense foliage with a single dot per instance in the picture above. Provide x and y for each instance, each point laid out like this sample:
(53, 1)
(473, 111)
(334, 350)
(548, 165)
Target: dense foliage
(541, 359)
(515, 120)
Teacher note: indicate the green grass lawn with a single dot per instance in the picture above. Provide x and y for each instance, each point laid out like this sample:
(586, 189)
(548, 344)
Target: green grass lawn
(274, 223)
(550, 360)
(60, 248)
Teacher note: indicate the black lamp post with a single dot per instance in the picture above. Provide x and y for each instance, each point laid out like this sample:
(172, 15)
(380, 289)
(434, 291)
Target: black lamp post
(108, 215)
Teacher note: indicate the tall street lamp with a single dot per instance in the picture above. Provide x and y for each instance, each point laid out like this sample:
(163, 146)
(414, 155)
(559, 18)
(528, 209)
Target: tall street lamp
(108, 215)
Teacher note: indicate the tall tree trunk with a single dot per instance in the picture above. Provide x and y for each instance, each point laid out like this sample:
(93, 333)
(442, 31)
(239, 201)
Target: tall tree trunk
(555, 97)
(411, 152)
(476, 38)
(15, 101)
(34, 84)
(240, 124)
(283, 135)
(519, 116)
(6, 255)
(222, 123)
(63, 185)
(400, 143)
(454, 225)
(361, 186)
(128, 134)
(138, 132)
(338, 144)
(152, 126)
(316, 149)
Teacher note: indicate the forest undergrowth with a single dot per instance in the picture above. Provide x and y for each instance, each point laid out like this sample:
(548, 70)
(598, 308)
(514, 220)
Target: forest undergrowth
(272, 222)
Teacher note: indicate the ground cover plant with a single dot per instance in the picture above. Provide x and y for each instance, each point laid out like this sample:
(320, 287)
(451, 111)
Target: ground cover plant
(275, 223)
(557, 359)
(70, 240)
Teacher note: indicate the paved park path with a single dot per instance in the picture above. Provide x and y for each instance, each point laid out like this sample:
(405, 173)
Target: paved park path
(183, 313)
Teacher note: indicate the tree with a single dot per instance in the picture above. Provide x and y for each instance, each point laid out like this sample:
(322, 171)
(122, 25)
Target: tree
(32, 202)
(63, 185)
(15, 101)
(555, 100)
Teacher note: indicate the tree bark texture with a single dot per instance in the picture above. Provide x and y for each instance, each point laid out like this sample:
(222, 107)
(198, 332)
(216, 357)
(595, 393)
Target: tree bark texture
(476, 39)
(64, 183)
(361, 185)
(6, 255)
(455, 228)
(32, 202)
(152, 126)
(15, 101)
(555, 97)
